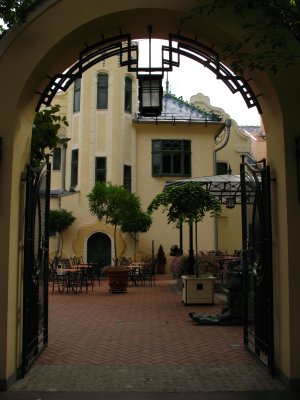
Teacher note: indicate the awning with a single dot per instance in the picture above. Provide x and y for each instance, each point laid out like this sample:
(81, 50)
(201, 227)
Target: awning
(227, 188)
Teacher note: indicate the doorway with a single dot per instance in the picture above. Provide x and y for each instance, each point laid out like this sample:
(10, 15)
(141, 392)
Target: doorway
(99, 249)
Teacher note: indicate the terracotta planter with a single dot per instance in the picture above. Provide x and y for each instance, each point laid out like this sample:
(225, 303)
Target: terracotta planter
(160, 268)
(117, 280)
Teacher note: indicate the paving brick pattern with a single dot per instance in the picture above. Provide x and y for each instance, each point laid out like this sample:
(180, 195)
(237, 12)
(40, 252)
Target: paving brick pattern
(141, 341)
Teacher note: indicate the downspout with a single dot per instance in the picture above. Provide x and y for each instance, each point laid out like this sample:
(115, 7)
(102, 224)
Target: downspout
(63, 169)
(227, 129)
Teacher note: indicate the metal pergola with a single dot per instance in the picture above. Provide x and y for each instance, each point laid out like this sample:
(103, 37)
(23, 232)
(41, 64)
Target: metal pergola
(227, 188)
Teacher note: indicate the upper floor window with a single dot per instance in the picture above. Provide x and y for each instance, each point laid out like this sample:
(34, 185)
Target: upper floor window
(100, 169)
(74, 167)
(127, 177)
(57, 159)
(128, 94)
(171, 157)
(76, 99)
(102, 91)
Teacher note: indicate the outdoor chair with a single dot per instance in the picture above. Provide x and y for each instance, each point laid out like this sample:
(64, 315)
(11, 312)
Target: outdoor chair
(57, 281)
(136, 275)
(77, 280)
(149, 274)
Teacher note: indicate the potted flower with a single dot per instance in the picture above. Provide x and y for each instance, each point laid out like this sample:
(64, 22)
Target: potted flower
(161, 260)
(114, 203)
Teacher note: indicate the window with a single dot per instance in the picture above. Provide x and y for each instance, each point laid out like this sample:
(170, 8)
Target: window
(74, 168)
(102, 91)
(127, 177)
(76, 100)
(128, 94)
(100, 169)
(222, 168)
(57, 159)
(171, 157)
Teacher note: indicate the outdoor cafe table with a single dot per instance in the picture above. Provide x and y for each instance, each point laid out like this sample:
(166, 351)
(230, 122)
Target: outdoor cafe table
(135, 272)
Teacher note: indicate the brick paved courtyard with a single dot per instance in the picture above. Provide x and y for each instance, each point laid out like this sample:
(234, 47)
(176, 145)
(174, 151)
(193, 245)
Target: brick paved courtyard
(143, 340)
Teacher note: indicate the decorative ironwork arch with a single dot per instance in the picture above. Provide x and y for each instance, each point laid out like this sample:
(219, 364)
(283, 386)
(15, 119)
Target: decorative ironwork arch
(127, 49)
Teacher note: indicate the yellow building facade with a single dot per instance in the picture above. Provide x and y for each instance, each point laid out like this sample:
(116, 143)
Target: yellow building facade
(108, 140)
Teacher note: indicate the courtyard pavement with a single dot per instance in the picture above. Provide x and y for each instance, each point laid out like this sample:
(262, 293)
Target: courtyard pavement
(142, 344)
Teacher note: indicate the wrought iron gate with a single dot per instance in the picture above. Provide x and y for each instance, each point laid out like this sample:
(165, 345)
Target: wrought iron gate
(35, 290)
(257, 260)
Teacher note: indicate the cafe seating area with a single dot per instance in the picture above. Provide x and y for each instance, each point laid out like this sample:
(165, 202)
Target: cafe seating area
(142, 273)
(73, 275)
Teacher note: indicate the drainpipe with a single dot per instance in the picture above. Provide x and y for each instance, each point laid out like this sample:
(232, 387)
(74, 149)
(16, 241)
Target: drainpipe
(63, 169)
(227, 131)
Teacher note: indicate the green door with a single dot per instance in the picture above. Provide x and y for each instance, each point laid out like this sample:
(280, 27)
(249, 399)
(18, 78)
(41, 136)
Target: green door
(99, 249)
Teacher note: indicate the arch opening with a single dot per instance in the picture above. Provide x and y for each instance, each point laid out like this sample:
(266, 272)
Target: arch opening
(128, 51)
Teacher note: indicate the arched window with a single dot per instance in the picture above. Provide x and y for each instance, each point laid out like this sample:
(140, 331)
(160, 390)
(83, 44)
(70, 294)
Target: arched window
(102, 91)
(128, 94)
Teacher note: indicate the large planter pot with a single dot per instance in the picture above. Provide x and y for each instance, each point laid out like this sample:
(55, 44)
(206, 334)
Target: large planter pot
(198, 289)
(117, 280)
(160, 269)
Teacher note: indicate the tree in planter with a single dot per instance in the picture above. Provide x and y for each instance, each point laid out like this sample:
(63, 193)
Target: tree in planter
(115, 204)
(161, 259)
(189, 203)
(59, 221)
(137, 222)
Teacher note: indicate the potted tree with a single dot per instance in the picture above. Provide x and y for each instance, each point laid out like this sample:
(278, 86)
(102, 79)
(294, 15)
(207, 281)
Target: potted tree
(59, 221)
(186, 203)
(134, 223)
(114, 203)
(161, 260)
(189, 203)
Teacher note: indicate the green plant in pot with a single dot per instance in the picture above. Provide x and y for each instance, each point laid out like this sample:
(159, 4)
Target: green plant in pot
(186, 203)
(161, 260)
(114, 203)
(134, 223)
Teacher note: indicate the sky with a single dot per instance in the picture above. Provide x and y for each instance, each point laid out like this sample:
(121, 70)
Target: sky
(192, 78)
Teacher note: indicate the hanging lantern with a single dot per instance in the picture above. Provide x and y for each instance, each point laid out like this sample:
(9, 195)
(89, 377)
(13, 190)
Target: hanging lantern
(150, 94)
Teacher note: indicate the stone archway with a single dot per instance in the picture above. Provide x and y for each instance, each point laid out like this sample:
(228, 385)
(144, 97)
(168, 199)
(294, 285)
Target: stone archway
(34, 50)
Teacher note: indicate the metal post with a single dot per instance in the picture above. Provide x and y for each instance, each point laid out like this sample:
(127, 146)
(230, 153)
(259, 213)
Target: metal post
(191, 251)
(180, 240)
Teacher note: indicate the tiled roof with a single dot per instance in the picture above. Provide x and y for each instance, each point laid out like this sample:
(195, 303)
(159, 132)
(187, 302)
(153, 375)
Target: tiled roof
(176, 109)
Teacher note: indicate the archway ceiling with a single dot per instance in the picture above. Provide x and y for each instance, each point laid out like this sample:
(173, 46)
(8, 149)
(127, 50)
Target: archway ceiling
(59, 48)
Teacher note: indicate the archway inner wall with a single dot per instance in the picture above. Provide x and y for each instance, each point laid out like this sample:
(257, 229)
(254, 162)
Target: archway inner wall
(31, 52)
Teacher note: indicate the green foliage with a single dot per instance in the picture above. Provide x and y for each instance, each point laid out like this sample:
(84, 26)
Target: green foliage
(45, 133)
(188, 202)
(59, 221)
(136, 222)
(114, 203)
(271, 25)
(14, 11)
(161, 257)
